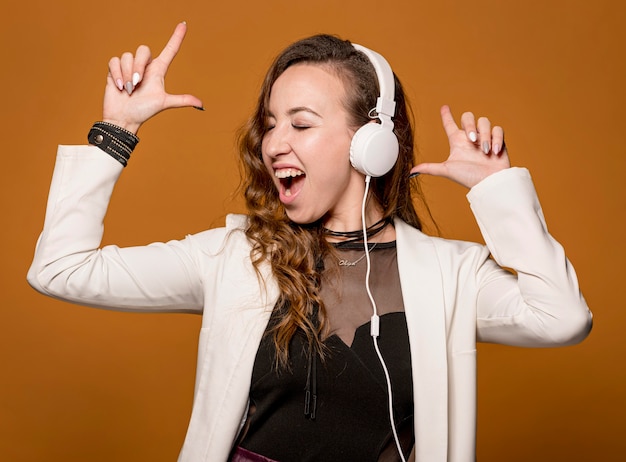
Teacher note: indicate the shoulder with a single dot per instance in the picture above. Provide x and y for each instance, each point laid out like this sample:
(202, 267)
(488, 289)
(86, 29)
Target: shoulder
(421, 254)
(236, 221)
(228, 239)
(410, 237)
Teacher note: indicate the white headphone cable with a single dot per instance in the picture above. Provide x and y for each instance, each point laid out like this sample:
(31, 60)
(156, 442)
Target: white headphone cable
(375, 321)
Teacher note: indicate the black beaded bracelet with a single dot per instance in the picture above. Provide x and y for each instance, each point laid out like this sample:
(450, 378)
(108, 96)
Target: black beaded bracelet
(115, 141)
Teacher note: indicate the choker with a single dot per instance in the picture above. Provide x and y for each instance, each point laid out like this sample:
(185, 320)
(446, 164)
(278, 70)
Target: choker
(356, 236)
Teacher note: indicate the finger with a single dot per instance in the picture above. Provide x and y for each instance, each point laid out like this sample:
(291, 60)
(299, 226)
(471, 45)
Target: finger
(143, 56)
(173, 45)
(173, 101)
(449, 124)
(127, 60)
(115, 71)
(468, 123)
(484, 134)
(497, 140)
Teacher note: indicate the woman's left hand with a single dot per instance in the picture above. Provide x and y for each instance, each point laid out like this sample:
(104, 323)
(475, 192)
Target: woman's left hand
(476, 150)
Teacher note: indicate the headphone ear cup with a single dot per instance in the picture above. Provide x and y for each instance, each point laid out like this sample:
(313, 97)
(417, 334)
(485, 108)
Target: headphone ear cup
(374, 150)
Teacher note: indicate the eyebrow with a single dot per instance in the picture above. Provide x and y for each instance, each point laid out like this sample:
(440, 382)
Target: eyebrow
(297, 109)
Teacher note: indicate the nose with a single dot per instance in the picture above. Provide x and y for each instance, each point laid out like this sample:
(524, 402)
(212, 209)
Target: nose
(275, 143)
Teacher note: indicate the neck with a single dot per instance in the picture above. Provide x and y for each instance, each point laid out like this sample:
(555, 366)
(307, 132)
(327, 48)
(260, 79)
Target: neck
(349, 218)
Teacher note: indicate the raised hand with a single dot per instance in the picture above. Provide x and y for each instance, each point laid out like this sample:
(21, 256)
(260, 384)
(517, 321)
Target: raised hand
(135, 89)
(476, 150)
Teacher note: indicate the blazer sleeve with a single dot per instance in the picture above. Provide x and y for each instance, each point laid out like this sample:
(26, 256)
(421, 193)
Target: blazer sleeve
(70, 265)
(540, 302)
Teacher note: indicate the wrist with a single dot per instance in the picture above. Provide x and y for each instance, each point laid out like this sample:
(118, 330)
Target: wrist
(116, 141)
(128, 126)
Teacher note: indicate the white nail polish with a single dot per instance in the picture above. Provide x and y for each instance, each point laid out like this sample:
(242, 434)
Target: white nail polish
(136, 78)
(472, 137)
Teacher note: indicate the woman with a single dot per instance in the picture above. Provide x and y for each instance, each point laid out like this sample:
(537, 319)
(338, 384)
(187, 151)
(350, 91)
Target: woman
(286, 367)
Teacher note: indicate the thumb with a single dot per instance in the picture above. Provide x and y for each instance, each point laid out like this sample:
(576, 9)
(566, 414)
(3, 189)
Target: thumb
(436, 169)
(176, 101)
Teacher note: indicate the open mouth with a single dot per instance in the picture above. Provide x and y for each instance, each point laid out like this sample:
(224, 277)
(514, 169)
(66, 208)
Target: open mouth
(290, 181)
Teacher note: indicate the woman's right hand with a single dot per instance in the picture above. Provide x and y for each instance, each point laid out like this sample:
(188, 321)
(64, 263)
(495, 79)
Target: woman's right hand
(135, 89)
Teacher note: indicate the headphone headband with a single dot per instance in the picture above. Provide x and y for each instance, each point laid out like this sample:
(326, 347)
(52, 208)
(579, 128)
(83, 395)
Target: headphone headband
(385, 103)
(374, 148)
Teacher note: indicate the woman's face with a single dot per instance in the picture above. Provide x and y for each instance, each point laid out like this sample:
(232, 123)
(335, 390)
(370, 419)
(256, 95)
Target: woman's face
(306, 148)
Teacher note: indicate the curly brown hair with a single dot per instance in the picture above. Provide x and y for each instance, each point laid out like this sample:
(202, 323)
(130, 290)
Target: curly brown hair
(295, 250)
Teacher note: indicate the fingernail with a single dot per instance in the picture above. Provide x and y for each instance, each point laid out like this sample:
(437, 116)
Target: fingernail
(120, 84)
(199, 108)
(185, 23)
(136, 78)
(472, 137)
(486, 147)
(129, 87)
(496, 149)
(414, 175)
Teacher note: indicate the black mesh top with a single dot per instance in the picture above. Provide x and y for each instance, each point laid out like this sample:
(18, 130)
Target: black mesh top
(347, 419)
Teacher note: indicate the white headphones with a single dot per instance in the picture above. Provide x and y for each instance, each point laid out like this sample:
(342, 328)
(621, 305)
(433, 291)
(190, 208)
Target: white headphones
(374, 147)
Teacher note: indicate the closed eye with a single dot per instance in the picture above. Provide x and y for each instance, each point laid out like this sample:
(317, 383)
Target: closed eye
(300, 127)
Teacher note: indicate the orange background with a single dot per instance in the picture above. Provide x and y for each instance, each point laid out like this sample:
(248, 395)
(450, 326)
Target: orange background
(80, 384)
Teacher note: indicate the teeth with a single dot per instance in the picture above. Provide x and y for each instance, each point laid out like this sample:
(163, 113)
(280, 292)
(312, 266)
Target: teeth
(288, 173)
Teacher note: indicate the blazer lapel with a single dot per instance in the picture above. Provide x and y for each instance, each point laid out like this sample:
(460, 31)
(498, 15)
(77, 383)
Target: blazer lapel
(422, 292)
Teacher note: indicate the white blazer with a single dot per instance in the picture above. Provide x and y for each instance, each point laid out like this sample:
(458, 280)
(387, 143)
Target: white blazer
(454, 295)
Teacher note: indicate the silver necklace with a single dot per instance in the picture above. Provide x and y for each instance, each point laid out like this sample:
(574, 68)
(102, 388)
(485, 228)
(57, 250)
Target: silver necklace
(344, 262)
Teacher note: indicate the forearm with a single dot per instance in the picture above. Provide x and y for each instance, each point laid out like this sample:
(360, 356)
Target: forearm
(77, 203)
(69, 263)
(542, 304)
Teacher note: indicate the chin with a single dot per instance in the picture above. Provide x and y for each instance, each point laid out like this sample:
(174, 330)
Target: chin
(302, 219)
